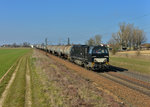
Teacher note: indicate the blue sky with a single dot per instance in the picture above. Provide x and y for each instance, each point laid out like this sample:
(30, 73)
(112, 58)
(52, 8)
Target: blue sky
(34, 20)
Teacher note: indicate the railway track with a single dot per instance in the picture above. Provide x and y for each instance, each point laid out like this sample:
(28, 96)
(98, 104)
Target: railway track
(137, 75)
(132, 80)
(130, 90)
(131, 83)
(132, 74)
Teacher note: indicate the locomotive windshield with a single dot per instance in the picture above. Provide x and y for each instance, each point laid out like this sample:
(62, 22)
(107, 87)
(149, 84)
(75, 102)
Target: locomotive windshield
(98, 50)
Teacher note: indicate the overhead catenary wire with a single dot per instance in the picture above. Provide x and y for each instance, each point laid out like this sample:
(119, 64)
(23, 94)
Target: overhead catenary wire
(135, 18)
(139, 17)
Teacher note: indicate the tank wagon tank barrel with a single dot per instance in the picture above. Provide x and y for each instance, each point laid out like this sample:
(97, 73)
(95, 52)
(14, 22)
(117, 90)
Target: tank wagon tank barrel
(92, 57)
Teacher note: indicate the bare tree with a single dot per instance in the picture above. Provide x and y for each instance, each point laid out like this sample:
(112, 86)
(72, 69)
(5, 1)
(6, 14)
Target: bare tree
(125, 34)
(14, 45)
(138, 38)
(129, 37)
(141, 38)
(96, 40)
(90, 42)
(26, 44)
(114, 43)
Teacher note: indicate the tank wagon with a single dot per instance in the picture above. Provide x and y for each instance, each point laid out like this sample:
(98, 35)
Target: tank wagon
(91, 57)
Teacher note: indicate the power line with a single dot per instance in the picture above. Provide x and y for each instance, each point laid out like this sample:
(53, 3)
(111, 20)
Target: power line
(136, 18)
(145, 27)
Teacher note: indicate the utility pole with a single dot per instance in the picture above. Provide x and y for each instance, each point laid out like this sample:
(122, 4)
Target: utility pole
(59, 43)
(68, 41)
(46, 45)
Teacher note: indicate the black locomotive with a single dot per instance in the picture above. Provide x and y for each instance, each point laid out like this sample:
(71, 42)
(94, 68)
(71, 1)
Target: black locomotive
(91, 57)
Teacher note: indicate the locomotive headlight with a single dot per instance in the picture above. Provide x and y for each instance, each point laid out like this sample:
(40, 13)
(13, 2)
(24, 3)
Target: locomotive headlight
(106, 56)
(100, 60)
(102, 45)
(93, 64)
(107, 63)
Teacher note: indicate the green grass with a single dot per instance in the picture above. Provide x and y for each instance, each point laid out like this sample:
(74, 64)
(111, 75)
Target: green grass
(16, 94)
(5, 81)
(135, 64)
(8, 57)
(39, 98)
(37, 95)
(45, 93)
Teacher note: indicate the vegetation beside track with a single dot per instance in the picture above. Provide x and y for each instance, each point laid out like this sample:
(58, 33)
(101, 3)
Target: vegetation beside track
(55, 85)
(9, 56)
(131, 63)
(41, 91)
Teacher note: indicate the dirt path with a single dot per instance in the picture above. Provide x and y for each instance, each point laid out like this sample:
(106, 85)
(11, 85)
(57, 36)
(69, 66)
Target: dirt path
(2, 99)
(28, 99)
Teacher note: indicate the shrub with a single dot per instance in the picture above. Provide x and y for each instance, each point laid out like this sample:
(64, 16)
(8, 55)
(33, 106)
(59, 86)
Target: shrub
(114, 51)
(138, 53)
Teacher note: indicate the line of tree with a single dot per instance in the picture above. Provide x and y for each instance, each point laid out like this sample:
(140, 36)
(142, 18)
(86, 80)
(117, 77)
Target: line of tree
(128, 37)
(96, 40)
(15, 45)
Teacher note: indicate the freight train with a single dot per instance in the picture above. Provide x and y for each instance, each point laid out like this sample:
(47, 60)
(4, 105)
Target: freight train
(91, 57)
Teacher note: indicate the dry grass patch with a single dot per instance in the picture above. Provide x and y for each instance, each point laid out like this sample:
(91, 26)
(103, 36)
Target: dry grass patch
(64, 87)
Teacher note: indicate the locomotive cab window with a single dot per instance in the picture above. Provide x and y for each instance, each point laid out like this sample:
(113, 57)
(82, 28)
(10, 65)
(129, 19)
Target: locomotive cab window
(90, 49)
(99, 50)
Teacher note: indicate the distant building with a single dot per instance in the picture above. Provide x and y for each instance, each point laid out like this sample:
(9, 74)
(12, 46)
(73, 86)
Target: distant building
(31, 46)
(6, 45)
(145, 46)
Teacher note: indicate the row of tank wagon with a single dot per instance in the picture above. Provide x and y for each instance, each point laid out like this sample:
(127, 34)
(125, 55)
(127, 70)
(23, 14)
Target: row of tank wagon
(60, 50)
(80, 54)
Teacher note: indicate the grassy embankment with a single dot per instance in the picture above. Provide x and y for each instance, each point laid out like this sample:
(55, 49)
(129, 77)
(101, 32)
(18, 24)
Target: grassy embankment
(39, 88)
(8, 57)
(55, 85)
(131, 62)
